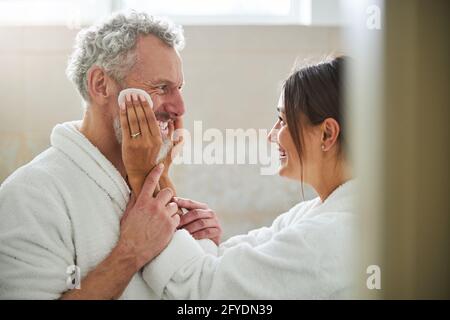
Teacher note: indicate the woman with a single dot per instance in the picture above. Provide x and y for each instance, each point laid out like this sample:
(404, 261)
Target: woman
(307, 251)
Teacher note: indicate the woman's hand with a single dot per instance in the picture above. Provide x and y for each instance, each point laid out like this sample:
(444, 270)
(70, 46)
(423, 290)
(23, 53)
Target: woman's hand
(176, 140)
(141, 139)
(200, 221)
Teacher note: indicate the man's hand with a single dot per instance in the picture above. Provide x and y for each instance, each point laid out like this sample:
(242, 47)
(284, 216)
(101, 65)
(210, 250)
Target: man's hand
(147, 228)
(200, 221)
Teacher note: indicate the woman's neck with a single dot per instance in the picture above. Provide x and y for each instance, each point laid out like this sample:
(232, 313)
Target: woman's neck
(330, 178)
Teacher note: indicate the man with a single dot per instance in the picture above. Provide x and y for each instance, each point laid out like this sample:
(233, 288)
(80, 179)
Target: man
(61, 213)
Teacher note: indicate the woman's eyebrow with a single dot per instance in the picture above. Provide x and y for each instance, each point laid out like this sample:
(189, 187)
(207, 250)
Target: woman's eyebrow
(280, 109)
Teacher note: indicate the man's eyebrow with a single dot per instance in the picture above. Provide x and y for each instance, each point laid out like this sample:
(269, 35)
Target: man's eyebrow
(152, 83)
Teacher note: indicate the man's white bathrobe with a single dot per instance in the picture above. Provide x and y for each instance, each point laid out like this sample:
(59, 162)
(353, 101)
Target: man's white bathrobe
(61, 209)
(307, 253)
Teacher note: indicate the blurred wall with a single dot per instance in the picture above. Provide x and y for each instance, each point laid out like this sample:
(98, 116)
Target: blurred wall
(399, 112)
(417, 174)
(233, 76)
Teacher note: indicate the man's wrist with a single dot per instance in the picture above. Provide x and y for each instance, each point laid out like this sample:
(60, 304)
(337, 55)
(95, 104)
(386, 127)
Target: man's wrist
(124, 256)
(109, 279)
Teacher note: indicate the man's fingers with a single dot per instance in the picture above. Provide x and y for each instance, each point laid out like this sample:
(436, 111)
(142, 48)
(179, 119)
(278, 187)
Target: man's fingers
(130, 205)
(189, 204)
(131, 201)
(157, 190)
(175, 221)
(165, 195)
(201, 224)
(172, 208)
(195, 214)
(152, 180)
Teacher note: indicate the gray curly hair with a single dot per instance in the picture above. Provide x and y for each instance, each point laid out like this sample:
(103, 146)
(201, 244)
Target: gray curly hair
(111, 43)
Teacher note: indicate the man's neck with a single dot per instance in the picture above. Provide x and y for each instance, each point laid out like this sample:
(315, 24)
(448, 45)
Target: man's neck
(99, 131)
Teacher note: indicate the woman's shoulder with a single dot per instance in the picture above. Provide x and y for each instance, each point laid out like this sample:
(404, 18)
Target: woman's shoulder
(296, 212)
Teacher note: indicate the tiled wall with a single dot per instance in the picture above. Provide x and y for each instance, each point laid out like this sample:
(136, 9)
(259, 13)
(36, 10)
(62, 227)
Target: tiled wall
(233, 75)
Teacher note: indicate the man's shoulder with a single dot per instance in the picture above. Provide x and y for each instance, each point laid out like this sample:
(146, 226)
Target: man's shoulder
(39, 172)
(33, 195)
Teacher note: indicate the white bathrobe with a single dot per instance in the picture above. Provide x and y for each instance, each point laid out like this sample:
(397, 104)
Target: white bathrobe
(61, 209)
(307, 253)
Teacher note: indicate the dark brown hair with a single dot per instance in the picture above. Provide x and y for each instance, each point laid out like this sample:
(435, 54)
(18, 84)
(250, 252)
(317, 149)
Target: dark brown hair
(311, 95)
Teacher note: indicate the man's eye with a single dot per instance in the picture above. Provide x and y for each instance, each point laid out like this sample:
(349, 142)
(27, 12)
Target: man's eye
(162, 88)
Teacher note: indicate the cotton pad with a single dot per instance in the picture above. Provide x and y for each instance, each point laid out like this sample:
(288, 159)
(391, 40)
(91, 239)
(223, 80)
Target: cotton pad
(124, 92)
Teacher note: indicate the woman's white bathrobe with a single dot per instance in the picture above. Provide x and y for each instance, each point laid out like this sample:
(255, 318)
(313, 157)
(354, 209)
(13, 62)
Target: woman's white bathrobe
(307, 253)
(61, 209)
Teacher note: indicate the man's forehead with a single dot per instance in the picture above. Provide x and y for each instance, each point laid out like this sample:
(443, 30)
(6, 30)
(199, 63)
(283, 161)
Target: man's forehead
(160, 64)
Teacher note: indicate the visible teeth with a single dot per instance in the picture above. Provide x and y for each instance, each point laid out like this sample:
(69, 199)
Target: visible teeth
(162, 125)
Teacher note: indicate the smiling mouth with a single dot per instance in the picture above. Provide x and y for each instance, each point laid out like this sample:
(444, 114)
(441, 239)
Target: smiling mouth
(164, 127)
(283, 154)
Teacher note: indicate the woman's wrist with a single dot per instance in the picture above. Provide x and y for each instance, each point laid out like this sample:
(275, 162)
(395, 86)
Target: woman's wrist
(165, 182)
(136, 183)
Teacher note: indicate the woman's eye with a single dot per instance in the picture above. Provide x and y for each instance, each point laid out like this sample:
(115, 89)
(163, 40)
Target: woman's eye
(281, 121)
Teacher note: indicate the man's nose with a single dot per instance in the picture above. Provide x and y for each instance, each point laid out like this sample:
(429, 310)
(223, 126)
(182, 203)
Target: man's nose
(175, 107)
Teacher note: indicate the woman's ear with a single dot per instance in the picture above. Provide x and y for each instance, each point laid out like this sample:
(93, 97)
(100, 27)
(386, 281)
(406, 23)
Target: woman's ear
(97, 85)
(330, 133)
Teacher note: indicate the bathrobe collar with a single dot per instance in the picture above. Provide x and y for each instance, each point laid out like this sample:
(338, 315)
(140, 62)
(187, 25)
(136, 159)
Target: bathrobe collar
(67, 138)
(341, 199)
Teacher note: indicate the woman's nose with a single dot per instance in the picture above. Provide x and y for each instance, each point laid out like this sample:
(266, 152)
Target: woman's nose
(273, 134)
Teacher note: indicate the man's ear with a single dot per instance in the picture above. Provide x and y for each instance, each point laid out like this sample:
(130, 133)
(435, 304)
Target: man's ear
(330, 133)
(99, 85)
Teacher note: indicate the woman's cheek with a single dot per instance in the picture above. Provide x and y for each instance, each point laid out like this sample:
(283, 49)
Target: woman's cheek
(282, 137)
(285, 140)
